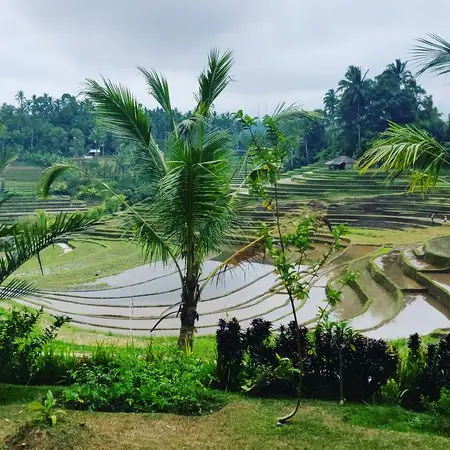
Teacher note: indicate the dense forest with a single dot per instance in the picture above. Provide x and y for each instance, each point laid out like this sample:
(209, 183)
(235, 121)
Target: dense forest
(44, 130)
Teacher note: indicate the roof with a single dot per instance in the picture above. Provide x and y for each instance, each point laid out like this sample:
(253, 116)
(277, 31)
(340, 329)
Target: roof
(341, 160)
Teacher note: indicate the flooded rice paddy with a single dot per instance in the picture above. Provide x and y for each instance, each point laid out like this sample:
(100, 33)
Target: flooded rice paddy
(134, 300)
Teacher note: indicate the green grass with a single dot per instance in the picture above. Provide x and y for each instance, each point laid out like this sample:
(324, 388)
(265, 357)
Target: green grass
(243, 423)
(82, 264)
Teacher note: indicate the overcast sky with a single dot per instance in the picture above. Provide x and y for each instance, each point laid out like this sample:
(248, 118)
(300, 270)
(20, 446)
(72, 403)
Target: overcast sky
(285, 50)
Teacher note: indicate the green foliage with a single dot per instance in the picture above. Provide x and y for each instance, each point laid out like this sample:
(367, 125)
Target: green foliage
(22, 344)
(407, 149)
(392, 393)
(141, 381)
(440, 406)
(45, 413)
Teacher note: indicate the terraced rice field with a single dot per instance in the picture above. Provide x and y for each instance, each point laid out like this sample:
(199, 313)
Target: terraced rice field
(394, 295)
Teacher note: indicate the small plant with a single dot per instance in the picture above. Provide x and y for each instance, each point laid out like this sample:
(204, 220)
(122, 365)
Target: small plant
(392, 393)
(45, 413)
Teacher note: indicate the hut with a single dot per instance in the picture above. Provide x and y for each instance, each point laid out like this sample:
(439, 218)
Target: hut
(341, 163)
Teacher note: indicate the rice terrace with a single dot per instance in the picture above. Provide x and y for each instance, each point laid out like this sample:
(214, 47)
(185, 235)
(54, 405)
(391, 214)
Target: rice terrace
(213, 277)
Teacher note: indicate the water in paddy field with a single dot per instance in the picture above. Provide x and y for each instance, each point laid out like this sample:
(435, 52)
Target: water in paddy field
(418, 316)
(442, 279)
(137, 298)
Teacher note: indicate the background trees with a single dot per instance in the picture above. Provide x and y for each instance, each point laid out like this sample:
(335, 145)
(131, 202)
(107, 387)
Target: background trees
(44, 129)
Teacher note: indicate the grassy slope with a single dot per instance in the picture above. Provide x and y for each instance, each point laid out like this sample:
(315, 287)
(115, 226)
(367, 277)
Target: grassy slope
(244, 423)
(81, 265)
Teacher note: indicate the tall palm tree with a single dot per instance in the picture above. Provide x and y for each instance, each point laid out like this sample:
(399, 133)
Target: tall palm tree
(354, 85)
(191, 205)
(405, 148)
(21, 241)
(331, 103)
(399, 71)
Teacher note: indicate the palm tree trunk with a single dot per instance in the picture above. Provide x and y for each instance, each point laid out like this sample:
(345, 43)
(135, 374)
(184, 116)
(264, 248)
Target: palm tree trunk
(190, 296)
(358, 127)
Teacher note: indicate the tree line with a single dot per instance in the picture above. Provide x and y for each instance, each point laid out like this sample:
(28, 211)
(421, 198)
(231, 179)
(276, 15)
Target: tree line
(44, 129)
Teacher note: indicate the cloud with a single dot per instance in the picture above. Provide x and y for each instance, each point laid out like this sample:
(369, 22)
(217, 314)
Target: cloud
(286, 50)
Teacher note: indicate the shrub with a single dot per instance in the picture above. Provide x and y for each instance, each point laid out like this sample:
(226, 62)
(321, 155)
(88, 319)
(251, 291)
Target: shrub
(230, 347)
(366, 363)
(139, 381)
(22, 343)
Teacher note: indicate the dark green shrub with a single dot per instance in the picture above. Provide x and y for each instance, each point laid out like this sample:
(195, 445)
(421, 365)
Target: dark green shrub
(230, 352)
(138, 381)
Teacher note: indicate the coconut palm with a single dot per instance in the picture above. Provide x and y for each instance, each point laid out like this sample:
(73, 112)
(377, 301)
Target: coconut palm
(399, 71)
(407, 149)
(190, 206)
(21, 241)
(354, 86)
(331, 103)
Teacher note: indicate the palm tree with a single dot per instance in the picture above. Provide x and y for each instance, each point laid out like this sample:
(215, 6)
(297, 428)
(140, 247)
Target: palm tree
(354, 85)
(190, 206)
(331, 102)
(22, 241)
(398, 70)
(406, 148)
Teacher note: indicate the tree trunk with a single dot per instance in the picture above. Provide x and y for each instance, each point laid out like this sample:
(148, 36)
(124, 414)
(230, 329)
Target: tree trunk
(306, 150)
(341, 377)
(358, 126)
(190, 296)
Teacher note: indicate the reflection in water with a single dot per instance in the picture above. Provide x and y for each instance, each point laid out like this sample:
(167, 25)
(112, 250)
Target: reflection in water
(418, 316)
(443, 279)
(136, 299)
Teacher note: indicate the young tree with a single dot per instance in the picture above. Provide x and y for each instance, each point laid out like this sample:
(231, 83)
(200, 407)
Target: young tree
(190, 205)
(288, 244)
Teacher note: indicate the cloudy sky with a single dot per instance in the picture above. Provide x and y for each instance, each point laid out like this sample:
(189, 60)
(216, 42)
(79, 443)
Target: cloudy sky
(285, 50)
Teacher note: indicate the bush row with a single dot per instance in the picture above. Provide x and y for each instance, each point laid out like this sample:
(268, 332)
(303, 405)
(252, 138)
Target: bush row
(255, 360)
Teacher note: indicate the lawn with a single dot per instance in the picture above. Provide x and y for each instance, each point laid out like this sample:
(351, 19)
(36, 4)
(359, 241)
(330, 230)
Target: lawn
(243, 423)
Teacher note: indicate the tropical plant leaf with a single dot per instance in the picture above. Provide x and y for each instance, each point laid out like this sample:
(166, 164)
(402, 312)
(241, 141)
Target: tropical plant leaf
(30, 238)
(17, 288)
(159, 90)
(50, 175)
(214, 80)
(432, 55)
(123, 116)
(7, 157)
(252, 252)
(407, 149)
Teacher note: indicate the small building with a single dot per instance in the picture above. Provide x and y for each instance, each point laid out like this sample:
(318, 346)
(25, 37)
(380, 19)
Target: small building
(94, 152)
(341, 163)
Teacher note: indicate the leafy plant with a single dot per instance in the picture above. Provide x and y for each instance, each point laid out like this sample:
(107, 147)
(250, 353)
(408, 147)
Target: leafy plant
(45, 413)
(137, 380)
(22, 343)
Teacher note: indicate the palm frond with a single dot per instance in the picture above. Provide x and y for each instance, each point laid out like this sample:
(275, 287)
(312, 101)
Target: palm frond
(214, 80)
(7, 156)
(252, 252)
(30, 238)
(407, 149)
(50, 175)
(149, 234)
(159, 90)
(123, 116)
(197, 187)
(17, 288)
(5, 196)
(432, 55)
